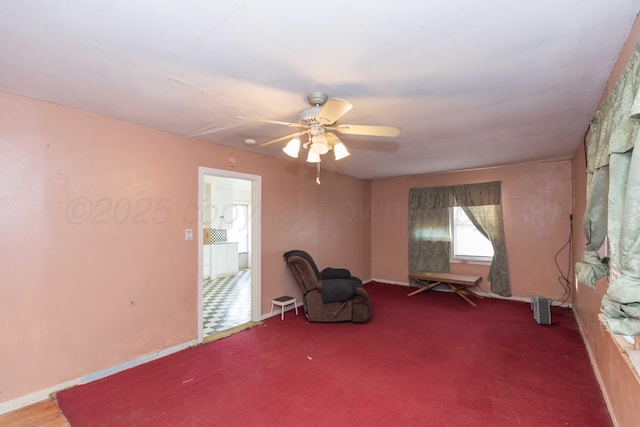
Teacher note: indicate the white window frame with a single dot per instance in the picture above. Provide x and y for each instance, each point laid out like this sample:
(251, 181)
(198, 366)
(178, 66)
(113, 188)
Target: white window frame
(462, 258)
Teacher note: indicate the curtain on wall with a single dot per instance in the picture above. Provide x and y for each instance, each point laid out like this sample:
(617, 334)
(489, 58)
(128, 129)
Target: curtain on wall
(429, 238)
(594, 224)
(488, 220)
(610, 152)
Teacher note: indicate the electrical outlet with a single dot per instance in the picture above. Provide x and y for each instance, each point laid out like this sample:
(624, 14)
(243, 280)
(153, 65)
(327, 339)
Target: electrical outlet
(188, 234)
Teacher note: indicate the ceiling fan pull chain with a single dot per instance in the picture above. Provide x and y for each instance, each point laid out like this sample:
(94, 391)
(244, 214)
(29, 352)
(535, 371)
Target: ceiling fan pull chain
(318, 173)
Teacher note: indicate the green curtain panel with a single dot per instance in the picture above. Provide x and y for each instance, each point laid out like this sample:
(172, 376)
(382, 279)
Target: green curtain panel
(429, 238)
(610, 153)
(594, 226)
(621, 303)
(488, 220)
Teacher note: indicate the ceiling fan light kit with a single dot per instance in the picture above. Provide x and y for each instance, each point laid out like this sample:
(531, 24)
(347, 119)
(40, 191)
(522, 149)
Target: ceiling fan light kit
(315, 121)
(313, 157)
(319, 144)
(292, 148)
(340, 151)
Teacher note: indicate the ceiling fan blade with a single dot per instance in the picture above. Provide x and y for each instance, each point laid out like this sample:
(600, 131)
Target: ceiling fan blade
(274, 122)
(332, 110)
(368, 130)
(293, 135)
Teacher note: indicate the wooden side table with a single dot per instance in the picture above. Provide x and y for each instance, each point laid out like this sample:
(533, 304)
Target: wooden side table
(284, 302)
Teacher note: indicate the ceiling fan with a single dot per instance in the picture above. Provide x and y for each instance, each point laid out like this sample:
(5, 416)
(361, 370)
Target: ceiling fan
(316, 121)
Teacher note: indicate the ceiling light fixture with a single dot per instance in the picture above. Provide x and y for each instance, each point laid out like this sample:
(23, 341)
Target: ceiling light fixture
(320, 122)
(340, 151)
(313, 157)
(319, 144)
(292, 148)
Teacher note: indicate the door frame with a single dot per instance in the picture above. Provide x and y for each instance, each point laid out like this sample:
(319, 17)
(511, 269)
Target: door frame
(255, 255)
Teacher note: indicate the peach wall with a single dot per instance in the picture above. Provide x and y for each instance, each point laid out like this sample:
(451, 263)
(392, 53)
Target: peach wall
(536, 207)
(617, 379)
(95, 270)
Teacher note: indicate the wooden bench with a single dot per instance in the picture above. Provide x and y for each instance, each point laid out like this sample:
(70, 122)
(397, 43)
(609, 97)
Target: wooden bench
(459, 283)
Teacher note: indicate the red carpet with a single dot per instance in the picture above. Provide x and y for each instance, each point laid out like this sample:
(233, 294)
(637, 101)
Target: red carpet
(426, 360)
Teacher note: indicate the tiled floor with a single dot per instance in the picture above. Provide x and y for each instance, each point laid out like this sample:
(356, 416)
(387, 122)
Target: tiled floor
(227, 302)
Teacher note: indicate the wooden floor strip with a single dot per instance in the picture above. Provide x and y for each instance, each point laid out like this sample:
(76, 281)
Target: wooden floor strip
(41, 414)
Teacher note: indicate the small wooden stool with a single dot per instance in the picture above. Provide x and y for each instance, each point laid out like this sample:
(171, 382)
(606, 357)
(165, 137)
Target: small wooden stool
(283, 302)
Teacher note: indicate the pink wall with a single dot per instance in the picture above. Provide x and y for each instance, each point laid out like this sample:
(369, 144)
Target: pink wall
(536, 207)
(621, 385)
(95, 270)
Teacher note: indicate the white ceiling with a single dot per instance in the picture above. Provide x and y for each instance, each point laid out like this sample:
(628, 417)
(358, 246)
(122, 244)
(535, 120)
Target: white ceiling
(471, 83)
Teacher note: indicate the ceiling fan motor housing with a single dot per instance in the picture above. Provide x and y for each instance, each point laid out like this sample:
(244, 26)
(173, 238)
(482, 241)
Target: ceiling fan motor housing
(317, 98)
(309, 116)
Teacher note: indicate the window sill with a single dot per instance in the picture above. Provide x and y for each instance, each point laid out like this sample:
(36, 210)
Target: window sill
(469, 261)
(626, 348)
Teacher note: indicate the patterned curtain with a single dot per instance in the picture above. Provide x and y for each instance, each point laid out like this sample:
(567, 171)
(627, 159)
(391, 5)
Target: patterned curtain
(610, 152)
(429, 238)
(488, 220)
(594, 226)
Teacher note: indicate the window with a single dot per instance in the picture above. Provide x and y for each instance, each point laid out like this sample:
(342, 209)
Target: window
(467, 243)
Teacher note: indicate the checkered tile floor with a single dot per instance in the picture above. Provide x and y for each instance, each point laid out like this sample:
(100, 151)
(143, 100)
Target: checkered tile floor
(227, 302)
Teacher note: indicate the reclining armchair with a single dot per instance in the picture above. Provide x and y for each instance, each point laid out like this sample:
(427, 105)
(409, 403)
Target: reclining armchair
(333, 295)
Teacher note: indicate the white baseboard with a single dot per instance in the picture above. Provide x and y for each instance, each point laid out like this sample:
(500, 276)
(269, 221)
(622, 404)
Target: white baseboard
(136, 362)
(522, 299)
(287, 308)
(40, 395)
(391, 282)
(480, 292)
(35, 397)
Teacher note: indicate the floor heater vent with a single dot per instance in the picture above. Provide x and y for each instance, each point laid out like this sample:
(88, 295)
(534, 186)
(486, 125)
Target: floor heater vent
(541, 310)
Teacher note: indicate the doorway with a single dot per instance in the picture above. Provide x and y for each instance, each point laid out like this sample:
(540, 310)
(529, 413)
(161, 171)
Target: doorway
(228, 250)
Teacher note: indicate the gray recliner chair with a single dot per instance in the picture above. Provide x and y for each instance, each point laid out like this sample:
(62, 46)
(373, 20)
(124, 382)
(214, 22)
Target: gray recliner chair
(333, 295)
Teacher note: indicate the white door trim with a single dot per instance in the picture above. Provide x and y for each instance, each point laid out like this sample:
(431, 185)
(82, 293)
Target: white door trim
(255, 258)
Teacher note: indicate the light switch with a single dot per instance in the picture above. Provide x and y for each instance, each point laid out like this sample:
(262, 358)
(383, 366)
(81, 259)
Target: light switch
(188, 234)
